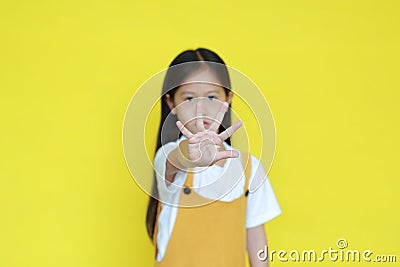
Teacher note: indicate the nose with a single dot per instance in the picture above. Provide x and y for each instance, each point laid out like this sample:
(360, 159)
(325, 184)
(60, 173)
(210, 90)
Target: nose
(209, 108)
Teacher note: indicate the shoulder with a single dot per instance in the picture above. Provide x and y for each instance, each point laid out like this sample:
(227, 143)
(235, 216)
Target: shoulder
(257, 172)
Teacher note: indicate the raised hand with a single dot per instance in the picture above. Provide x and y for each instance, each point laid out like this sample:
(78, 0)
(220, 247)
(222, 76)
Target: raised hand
(205, 147)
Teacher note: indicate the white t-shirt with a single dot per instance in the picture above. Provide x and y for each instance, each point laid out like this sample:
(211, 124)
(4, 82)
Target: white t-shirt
(262, 204)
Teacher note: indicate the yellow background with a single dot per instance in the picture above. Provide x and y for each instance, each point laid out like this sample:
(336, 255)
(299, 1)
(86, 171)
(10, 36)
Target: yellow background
(329, 70)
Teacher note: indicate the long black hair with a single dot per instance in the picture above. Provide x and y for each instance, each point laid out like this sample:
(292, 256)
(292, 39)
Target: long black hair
(174, 77)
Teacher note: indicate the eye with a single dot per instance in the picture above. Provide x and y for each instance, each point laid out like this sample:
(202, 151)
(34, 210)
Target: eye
(189, 98)
(211, 97)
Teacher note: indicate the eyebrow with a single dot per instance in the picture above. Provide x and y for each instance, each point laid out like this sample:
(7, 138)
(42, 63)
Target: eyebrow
(187, 93)
(193, 93)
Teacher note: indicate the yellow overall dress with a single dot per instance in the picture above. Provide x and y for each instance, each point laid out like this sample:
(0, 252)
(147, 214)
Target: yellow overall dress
(208, 235)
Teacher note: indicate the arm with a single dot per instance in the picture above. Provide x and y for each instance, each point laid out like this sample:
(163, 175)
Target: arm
(262, 206)
(256, 241)
(176, 161)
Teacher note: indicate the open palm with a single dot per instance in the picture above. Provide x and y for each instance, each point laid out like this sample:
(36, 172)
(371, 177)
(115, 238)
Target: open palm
(206, 146)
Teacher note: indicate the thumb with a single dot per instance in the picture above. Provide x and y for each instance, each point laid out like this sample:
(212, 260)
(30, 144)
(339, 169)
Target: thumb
(226, 154)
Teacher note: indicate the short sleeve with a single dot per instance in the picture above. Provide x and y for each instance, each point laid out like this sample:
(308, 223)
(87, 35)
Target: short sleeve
(262, 205)
(165, 191)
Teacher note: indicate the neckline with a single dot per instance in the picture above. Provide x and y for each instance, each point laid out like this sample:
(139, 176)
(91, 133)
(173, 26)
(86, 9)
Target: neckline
(189, 183)
(227, 161)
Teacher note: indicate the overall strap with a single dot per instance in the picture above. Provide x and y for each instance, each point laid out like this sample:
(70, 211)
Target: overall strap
(246, 163)
(189, 178)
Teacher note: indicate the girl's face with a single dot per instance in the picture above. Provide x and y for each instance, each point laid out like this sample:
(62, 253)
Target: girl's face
(200, 87)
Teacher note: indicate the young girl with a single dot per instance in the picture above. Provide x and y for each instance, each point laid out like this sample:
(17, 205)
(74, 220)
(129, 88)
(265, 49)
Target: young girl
(201, 212)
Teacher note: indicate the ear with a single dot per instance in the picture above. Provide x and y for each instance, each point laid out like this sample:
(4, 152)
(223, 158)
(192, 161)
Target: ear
(170, 103)
(229, 97)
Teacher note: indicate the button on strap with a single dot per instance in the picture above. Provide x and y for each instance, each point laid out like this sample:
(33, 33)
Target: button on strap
(187, 190)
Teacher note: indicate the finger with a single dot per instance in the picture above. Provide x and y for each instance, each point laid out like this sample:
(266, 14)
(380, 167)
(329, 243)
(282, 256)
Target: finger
(228, 132)
(226, 154)
(199, 119)
(184, 130)
(220, 116)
